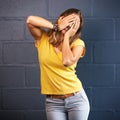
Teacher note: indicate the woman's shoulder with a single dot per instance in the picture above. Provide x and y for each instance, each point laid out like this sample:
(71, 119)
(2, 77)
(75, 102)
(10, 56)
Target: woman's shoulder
(77, 42)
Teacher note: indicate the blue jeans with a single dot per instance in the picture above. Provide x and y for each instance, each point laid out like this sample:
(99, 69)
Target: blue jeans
(72, 108)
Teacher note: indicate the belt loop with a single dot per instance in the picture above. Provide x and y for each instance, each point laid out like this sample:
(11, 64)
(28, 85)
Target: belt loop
(51, 97)
(75, 93)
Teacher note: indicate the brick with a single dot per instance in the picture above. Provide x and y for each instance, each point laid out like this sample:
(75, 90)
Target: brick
(88, 93)
(0, 52)
(102, 115)
(11, 30)
(84, 6)
(35, 115)
(12, 76)
(28, 35)
(19, 53)
(0, 99)
(98, 29)
(117, 26)
(88, 55)
(118, 75)
(106, 98)
(107, 52)
(32, 76)
(21, 8)
(96, 75)
(11, 115)
(23, 99)
(117, 115)
(106, 8)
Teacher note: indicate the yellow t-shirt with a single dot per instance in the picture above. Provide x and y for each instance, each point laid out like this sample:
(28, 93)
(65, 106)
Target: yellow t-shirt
(55, 77)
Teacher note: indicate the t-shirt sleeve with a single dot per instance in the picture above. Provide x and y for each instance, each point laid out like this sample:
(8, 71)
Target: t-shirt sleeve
(80, 42)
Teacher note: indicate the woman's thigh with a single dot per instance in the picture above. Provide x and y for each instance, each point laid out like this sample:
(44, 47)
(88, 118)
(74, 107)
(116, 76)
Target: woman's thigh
(55, 109)
(78, 106)
(58, 115)
(78, 115)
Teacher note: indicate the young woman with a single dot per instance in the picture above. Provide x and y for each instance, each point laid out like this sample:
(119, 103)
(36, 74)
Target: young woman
(59, 49)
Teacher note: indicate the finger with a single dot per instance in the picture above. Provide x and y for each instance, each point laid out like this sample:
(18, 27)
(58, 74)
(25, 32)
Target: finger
(72, 20)
(72, 26)
(73, 16)
(69, 18)
(76, 25)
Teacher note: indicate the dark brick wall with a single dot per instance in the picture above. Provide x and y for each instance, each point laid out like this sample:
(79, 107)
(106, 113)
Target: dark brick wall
(99, 70)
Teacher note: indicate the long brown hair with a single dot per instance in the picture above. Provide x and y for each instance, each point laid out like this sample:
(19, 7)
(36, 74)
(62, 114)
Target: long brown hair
(55, 36)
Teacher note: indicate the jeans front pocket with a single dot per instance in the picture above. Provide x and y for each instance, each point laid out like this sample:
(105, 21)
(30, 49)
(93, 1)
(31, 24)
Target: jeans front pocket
(54, 104)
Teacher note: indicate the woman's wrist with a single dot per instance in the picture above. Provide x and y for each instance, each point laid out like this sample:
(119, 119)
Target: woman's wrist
(55, 27)
(66, 39)
(66, 36)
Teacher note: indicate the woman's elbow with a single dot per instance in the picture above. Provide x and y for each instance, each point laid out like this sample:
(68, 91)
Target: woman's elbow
(29, 18)
(68, 62)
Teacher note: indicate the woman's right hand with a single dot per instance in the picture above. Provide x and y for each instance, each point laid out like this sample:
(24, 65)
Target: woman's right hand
(64, 22)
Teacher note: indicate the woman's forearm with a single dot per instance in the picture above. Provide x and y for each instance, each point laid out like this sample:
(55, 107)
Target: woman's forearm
(67, 55)
(39, 22)
(35, 25)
